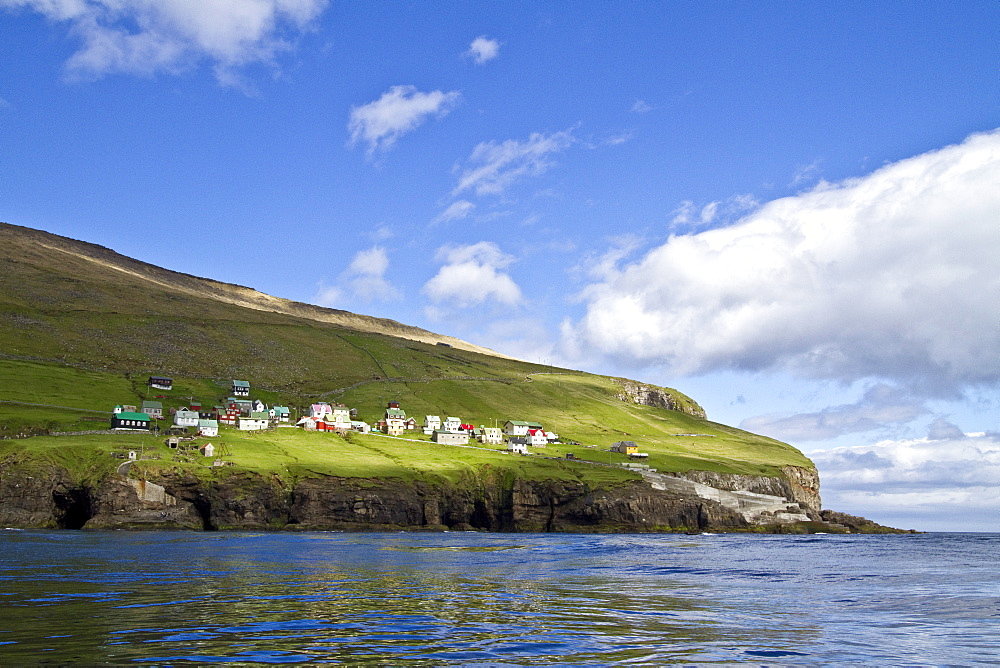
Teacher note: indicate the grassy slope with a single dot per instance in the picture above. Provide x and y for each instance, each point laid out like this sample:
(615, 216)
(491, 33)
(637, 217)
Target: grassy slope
(85, 337)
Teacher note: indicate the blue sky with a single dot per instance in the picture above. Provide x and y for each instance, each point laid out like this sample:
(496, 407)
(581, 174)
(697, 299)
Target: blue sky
(785, 209)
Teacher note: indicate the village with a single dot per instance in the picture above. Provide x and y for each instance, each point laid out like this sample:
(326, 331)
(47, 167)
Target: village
(241, 412)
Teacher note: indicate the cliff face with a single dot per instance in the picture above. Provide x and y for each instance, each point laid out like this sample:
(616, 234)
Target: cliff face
(181, 501)
(658, 397)
(799, 485)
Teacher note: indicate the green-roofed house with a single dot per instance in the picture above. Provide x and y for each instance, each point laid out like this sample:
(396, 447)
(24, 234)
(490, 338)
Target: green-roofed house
(281, 413)
(258, 421)
(152, 409)
(129, 421)
(241, 388)
(515, 428)
(208, 428)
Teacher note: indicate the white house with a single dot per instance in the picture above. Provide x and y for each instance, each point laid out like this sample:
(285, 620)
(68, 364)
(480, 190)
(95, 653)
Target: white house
(536, 438)
(208, 450)
(281, 413)
(341, 417)
(307, 423)
(515, 428)
(259, 406)
(208, 428)
(517, 446)
(320, 410)
(451, 437)
(431, 423)
(452, 424)
(491, 435)
(185, 418)
(256, 422)
(358, 425)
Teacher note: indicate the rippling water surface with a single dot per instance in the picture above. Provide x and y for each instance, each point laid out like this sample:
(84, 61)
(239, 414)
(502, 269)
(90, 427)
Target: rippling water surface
(497, 599)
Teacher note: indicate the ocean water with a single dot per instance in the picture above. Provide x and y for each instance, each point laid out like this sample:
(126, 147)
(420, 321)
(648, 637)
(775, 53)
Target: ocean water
(497, 599)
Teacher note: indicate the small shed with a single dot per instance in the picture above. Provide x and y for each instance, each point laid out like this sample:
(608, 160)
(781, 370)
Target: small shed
(208, 450)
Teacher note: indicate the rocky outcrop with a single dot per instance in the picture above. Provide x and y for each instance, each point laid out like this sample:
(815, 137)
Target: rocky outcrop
(800, 485)
(855, 524)
(658, 397)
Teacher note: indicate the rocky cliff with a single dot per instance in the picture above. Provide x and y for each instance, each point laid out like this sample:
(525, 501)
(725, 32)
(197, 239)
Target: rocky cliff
(248, 501)
(178, 499)
(658, 397)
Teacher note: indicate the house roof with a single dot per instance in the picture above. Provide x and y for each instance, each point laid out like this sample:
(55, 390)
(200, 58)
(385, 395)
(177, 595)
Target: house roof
(517, 423)
(133, 416)
(260, 415)
(187, 414)
(156, 378)
(630, 444)
(241, 383)
(208, 423)
(281, 409)
(395, 413)
(534, 425)
(152, 404)
(518, 439)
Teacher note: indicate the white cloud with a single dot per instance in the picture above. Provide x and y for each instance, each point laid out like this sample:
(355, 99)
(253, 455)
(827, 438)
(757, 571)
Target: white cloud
(493, 167)
(948, 484)
(895, 275)
(364, 279)
(641, 107)
(483, 49)
(400, 110)
(881, 406)
(151, 36)
(471, 275)
(457, 211)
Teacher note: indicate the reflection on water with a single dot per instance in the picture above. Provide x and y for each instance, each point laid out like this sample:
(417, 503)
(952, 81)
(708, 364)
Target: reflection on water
(490, 598)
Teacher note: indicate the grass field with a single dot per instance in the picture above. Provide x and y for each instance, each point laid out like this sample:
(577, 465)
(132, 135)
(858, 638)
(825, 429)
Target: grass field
(79, 336)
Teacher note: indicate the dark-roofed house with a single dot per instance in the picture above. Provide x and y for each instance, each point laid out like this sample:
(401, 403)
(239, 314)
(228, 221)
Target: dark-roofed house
(625, 447)
(161, 383)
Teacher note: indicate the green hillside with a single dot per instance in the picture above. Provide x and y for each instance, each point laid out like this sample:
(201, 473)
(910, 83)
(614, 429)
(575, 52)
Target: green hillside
(82, 328)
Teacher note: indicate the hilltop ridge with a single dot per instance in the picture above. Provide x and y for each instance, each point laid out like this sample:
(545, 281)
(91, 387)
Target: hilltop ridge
(30, 243)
